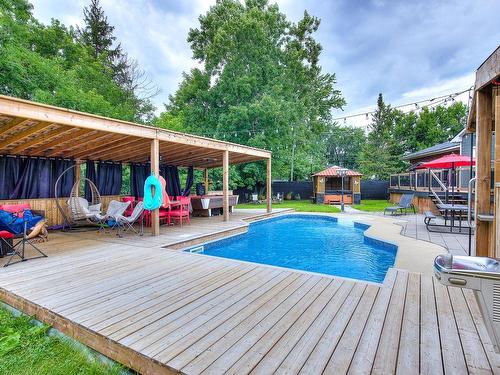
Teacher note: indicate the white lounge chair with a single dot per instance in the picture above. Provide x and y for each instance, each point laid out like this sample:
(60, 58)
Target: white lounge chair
(126, 223)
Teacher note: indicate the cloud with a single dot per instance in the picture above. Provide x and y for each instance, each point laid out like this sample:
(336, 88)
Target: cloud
(403, 49)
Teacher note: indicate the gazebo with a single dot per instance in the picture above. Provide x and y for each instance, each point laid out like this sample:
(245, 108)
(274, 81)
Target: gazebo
(328, 186)
(32, 134)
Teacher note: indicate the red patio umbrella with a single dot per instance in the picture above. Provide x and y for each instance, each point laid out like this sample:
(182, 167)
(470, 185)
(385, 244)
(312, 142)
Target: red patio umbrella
(450, 161)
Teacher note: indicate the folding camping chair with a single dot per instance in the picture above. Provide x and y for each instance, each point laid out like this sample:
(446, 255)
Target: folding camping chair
(126, 223)
(25, 229)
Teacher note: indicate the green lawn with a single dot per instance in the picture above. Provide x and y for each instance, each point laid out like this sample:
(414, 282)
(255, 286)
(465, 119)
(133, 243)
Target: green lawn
(300, 206)
(372, 205)
(27, 349)
(307, 206)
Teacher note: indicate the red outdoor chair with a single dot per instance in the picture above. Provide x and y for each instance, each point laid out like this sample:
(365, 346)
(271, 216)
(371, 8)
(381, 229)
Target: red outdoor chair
(180, 212)
(131, 206)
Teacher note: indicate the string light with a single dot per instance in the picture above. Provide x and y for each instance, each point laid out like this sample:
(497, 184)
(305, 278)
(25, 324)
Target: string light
(436, 101)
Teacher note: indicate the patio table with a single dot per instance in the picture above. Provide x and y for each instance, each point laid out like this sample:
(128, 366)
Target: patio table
(453, 209)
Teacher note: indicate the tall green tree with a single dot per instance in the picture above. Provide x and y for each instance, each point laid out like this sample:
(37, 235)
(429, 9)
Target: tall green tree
(260, 84)
(344, 145)
(98, 35)
(49, 64)
(381, 154)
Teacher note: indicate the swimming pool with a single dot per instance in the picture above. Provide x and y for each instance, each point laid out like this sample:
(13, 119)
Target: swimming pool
(309, 243)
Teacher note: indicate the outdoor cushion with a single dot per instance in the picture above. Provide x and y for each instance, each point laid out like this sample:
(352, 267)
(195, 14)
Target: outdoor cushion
(5, 234)
(17, 209)
(14, 224)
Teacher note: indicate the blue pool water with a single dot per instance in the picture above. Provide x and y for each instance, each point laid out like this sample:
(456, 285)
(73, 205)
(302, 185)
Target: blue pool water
(309, 243)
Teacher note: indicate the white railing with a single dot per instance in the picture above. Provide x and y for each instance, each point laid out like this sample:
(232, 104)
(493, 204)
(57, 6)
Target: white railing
(434, 177)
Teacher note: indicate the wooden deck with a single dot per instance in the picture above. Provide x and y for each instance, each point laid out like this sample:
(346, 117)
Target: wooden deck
(161, 311)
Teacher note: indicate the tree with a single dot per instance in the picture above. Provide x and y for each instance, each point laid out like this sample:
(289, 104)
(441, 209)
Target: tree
(46, 63)
(260, 85)
(98, 35)
(381, 154)
(394, 134)
(344, 145)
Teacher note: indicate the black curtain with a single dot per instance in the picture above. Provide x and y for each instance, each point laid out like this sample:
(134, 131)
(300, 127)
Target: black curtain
(109, 178)
(34, 179)
(67, 181)
(10, 169)
(138, 174)
(90, 173)
(189, 182)
(171, 175)
(30, 178)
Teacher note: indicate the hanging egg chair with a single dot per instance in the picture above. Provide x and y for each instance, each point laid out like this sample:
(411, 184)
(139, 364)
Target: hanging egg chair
(78, 210)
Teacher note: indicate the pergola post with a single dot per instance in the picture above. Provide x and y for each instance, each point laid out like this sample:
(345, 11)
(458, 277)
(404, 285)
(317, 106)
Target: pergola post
(206, 180)
(496, 114)
(483, 170)
(77, 173)
(155, 170)
(269, 186)
(225, 185)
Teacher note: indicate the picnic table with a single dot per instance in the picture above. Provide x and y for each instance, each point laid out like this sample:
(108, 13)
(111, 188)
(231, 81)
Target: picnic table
(453, 209)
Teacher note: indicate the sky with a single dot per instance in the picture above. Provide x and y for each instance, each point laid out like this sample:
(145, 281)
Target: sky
(408, 50)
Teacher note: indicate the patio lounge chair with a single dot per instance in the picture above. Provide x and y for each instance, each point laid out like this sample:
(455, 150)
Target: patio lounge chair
(405, 203)
(126, 223)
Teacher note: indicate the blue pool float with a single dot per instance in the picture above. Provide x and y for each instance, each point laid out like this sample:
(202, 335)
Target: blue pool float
(152, 202)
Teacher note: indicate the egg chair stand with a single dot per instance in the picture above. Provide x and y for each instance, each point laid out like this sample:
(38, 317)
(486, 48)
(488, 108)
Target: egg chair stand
(78, 212)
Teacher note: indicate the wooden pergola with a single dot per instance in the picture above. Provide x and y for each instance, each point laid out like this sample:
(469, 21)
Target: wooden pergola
(484, 120)
(38, 130)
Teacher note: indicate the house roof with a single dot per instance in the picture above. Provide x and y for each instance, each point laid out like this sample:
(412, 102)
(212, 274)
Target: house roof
(433, 150)
(333, 172)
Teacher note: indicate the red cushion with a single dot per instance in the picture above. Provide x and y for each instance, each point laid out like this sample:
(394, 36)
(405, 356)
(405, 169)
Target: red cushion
(16, 208)
(6, 235)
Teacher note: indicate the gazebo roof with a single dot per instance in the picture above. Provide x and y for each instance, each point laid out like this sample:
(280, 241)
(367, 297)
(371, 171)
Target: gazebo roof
(333, 172)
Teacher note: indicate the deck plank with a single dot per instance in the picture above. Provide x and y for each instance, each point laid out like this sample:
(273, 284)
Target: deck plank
(451, 346)
(430, 346)
(301, 351)
(277, 352)
(387, 351)
(364, 355)
(264, 343)
(409, 354)
(342, 356)
(475, 356)
(196, 344)
(322, 352)
(210, 350)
